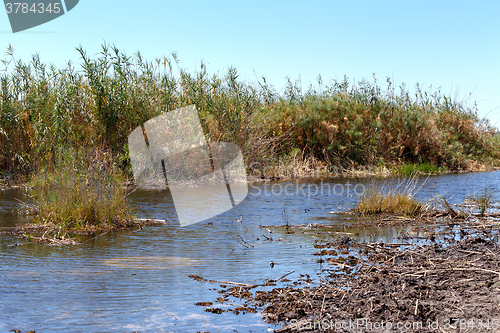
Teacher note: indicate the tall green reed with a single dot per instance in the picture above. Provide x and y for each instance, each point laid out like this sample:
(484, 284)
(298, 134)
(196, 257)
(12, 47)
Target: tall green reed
(45, 111)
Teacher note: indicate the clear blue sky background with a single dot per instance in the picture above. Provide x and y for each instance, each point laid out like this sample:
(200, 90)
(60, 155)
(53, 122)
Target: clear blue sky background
(454, 45)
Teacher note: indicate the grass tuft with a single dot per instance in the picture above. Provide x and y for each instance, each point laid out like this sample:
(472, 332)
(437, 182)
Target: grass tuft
(409, 169)
(399, 201)
(482, 199)
(82, 196)
(460, 214)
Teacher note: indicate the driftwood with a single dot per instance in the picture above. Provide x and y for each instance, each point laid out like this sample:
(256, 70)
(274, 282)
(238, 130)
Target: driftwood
(50, 240)
(199, 278)
(152, 221)
(243, 242)
(282, 276)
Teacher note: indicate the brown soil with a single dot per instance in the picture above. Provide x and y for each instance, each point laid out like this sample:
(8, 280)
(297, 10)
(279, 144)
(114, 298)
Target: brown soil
(450, 284)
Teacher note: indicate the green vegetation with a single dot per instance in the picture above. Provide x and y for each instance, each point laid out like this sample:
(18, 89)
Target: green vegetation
(66, 130)
(85, 195)
(461, 214)
(376, 202)
(423, 168)
(483, 199)
(45, 111)
(398, 201)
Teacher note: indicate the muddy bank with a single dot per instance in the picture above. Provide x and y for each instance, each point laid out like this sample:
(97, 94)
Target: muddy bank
(448, 282)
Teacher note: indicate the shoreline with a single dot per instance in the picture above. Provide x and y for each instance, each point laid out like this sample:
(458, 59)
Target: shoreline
(350, 173)
(52, 232)
(53, 235)
(424, 278)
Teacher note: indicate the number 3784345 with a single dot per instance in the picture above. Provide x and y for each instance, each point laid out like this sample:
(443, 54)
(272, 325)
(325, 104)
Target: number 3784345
(25, 8)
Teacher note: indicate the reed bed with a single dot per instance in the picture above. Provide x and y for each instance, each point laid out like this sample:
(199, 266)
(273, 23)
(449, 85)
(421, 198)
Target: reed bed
(343, 125)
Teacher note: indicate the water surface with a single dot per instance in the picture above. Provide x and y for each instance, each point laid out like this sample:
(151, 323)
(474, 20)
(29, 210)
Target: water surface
(139, 280)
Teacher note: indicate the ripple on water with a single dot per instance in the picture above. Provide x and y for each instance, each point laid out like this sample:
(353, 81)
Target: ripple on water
(150, 262)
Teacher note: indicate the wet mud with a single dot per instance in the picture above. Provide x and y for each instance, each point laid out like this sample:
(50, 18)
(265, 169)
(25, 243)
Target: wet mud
(444, 279)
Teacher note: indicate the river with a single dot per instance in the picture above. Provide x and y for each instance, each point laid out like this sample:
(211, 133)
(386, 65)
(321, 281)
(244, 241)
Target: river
(139, 280)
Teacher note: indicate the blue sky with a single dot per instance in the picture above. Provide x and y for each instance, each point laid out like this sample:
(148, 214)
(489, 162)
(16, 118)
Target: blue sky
(454, 45)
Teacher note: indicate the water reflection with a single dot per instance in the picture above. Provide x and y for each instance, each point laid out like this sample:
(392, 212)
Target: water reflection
(149, 262)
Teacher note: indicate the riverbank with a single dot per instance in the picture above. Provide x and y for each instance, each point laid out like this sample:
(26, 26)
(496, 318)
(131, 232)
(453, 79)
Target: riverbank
(441, 274)
(74, 202)
(419, 289)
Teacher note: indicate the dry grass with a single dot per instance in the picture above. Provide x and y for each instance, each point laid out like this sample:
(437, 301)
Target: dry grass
(88, 196)
(398, 201)
(483, 199)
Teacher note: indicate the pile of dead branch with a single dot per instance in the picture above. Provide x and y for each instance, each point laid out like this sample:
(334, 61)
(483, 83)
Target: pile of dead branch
(424, 285)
